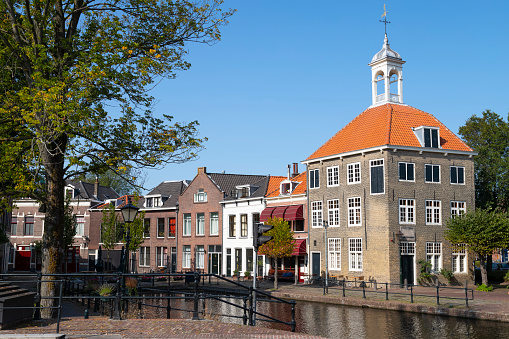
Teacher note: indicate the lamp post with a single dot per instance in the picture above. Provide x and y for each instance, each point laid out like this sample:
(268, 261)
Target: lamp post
(129, 212)
(326, 225)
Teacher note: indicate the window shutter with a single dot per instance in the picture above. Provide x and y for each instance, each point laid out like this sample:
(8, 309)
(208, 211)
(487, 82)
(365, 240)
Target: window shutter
(402, 171)
(377, 183)
(434, 138)
(429, 174)
(454, 178)
(436, 173)
(410, 172)
(461, 175)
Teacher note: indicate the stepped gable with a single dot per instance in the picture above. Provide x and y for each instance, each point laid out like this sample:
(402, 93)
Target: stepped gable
(388, 124)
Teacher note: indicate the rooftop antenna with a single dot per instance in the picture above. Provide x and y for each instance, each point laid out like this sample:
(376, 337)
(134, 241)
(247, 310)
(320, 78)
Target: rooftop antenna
(385, 20)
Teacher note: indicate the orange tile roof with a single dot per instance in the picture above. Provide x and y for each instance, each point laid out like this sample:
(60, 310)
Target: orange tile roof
(389, 124)
(274, 191)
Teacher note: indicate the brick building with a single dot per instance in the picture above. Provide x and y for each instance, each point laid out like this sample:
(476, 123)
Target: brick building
(384, 186)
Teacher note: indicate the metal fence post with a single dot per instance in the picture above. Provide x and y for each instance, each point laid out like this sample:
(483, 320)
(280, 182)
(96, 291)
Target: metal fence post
(244, 317)
(293, 316)
(195, 311)
(411, 293)
(466, 293)
(59, 314)
(364, 291)
(386, 291)
(116, 315)
(37, 313)
(438, 295)
(344, 283)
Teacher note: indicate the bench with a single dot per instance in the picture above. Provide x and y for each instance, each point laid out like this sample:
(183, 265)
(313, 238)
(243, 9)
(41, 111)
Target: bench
(286, 275)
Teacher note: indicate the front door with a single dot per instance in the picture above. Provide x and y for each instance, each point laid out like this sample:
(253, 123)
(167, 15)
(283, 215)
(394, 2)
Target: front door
(214, 263)
(407, 269)
(315, 268)
(301, 269)
(22, 261)
(173, 266)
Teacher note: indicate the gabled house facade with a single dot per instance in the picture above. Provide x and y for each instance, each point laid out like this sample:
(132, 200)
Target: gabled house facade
(384, 186)
(286, 198)
(27, 227)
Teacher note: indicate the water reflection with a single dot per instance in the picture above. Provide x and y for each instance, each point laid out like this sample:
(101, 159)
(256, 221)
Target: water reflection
(338, 321)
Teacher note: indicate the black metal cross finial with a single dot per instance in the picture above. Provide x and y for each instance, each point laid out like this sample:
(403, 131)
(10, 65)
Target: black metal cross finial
(385, 19)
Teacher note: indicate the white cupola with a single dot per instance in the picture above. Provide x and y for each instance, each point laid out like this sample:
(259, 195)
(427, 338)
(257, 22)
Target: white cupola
(387, 76)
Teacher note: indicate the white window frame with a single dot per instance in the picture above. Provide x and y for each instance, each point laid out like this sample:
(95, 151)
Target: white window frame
(432, 177)
(334, 213)
(335, 254)
(355, 254)
(354, 211)
(407, 248)
(434, 256)
(407, 211)
(200, 196)
(157, 230)
(406, 171)
(200, 256)
(433, 210)
(214, 223)
(457, 177)
(353, 173)
(161, 256)
(316, 214)
(186, 229)
(186, 256)
(332, 176)
(200, 223)
(80, 225)
(144, 258)
(316, 172)
(376, 163)
(458, 208)
(459, 258)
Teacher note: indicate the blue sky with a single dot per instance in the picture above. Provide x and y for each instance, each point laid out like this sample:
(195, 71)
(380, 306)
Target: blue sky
(288, 75)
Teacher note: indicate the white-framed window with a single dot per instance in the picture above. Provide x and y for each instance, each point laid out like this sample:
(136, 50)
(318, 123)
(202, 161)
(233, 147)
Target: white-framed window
(144, 256)
(243, 225)
(333, 176)
(316, 214)
(434, 255)
(433, 212)
(80, 225)
(353, 171)
(160, 227)
(406, 171)
(200, 223)
(200, 196)
(407, 248)
(28, 227)
(406, 211)
(333, 209)
(355, 254)
(186, 256)
(459, 258)
(214, 223)
(149, 202)
(161, 256)
(14, 225)
(376, 168)
(232, 231)
(457, 208)
(200, 256)
(432, 173)
(172, 227)
(146, 228)
(457, 175)
(187, 224)
(157, 202)
(335, 253)
(431, 137)
(354, 211)
(314, 178)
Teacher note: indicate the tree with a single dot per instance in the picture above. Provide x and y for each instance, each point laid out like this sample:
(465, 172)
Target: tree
(281, 245)
(66, 63)
(109, 234)
(482, 231)
(69, 227)
(489, 136)
(118, 183)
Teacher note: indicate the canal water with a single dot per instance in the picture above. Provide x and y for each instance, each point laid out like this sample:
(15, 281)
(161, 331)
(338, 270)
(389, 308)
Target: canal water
(339, 321)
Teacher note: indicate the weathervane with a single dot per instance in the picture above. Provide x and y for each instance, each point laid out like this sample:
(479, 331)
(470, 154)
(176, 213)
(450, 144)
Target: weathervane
(385, 19)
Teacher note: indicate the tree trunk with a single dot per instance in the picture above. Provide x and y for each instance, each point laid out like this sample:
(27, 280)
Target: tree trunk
(53, 238)
(484, 271)
(275, 274)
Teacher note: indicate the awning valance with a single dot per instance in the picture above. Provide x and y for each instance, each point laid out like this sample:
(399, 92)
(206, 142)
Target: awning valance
(279, 212)
(294, 212)
(266, 214)
(299, 247)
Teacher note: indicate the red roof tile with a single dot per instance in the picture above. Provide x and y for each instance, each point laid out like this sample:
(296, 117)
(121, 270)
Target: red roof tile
(274, 185)
(389, 124)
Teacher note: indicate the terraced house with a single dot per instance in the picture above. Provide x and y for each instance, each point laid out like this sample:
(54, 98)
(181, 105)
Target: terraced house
(384, 186)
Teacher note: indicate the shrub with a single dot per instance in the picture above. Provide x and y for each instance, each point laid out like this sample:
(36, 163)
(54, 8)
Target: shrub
(106, 290)
(424, 274)
(484, 288)
(247, 274)
(506, 276)
(448, 274)
(132, 285)
(235, 273)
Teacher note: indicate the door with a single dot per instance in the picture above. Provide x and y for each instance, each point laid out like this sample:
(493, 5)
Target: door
(407, 269)
(315, 268)
(22, 261)
(301, 269)
(173, 267)
(214, 263)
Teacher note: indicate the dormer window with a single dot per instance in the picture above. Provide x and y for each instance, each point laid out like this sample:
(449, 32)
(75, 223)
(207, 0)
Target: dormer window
(156, 200)
(428, 136)
(287, 187)
(149, 202)
(69, 192)
(245, 191)
(200, 196)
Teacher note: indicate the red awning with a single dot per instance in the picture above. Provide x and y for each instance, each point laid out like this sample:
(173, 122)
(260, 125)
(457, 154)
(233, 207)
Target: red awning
(279, 212)
(266, 214)
(294, 213)
(299, 247)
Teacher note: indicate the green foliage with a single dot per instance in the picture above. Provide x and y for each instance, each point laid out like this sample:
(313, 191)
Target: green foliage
(283, 243)
(247, 274)
(109, 234)
(106, 290)
(424, 274)
(69, 223)
(448, 274)
(235, 272)
(111, 179)
(506, 276)
(484, 288)
(489, 136)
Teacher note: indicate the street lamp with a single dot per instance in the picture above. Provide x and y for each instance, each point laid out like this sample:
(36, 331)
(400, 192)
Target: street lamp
(129, 212)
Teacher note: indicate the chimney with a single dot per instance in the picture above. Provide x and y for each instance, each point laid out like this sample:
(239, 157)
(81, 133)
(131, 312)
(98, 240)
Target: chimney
(295, 170)
(96, 186)
(202, 170)
(288, 177)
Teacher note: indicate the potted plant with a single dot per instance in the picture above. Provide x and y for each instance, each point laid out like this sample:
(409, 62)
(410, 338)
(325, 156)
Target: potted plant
(247, 275)
(235, 273)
